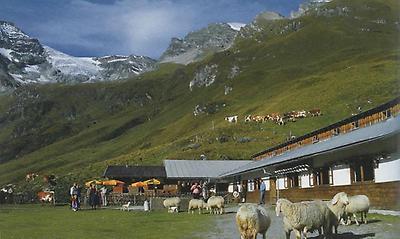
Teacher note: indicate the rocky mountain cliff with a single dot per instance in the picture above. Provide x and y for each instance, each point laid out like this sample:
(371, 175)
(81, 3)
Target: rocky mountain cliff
(196, 45)
(25, 60)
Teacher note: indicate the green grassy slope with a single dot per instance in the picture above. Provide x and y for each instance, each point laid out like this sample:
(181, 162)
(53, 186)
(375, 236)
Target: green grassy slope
(335, 63)
(61, 222)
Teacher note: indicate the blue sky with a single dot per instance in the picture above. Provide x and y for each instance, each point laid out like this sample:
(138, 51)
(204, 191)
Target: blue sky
(142, 27)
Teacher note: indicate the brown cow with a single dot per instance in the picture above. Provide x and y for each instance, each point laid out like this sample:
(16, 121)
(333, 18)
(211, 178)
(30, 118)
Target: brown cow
(46, 196)
(315, 112)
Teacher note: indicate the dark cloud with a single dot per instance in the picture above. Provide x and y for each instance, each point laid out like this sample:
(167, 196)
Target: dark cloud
(94, 27)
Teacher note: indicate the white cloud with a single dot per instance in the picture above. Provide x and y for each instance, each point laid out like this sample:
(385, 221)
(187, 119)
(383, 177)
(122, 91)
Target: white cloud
(131, 26)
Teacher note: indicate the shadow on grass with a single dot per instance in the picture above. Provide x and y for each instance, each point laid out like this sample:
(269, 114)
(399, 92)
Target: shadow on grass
(353, 223)
(373, 221)
(348, 235)
(230, 212)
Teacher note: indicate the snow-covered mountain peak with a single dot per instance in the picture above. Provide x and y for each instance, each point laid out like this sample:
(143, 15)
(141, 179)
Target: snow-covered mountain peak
(23, 60)
(9, 30)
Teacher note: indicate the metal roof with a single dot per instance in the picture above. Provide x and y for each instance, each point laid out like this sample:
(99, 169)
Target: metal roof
(196, 169)
(374, 132)
(135, 172)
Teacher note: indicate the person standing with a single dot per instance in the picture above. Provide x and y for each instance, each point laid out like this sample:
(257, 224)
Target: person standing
(262, 191)
(78, 195)
(195, 190)
(204, 190)
(93, 197)
(73, 192)
(103, 193)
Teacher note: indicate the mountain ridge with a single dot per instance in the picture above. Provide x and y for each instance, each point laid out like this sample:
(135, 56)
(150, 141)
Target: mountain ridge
(24, 60)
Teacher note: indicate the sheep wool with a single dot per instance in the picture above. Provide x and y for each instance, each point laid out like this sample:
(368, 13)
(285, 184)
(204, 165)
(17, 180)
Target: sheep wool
(251, 220)
(172, 203)
(357, 203)
(196, 204)
(216, 204)
(337, 207)
(303, 217)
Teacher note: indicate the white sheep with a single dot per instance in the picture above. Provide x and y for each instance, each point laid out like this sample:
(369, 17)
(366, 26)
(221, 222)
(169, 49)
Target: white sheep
(337, 207)
(196, 204)
(357, 203)
(215, 204)
(252, 219)
(303, 216)
(172, 203)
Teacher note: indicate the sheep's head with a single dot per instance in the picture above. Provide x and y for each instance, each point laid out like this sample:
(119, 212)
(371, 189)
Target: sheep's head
(340, 198)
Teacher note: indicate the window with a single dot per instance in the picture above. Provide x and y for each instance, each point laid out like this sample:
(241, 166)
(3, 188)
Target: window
(315, 139)
(362, 170)
(311, 179)
(355, 124)
(285, 183)
(336, 131)
(388, 113)
(322, 176)
(292, 181)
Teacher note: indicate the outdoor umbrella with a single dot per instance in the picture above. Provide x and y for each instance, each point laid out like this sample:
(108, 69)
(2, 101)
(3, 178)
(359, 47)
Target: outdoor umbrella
(152, 181)
(87, 184)
(112, 182)
(138, 184)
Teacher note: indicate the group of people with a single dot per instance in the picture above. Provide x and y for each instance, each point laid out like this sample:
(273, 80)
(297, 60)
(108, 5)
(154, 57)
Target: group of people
(199, 190)
(94, 196)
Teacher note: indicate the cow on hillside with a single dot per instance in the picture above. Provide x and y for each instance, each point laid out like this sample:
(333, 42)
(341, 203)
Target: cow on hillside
(31, 176)
(315, 112)
(248, 118)
(46, 197)
(232, 119)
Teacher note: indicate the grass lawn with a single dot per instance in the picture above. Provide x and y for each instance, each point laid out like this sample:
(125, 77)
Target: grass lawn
(36, 221)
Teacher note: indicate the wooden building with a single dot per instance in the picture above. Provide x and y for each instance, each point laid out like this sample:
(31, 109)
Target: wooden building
(358, 155)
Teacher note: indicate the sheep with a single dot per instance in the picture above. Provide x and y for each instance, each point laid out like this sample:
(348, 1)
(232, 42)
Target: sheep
(252, 219)
(215, 204)
(357, 203)
(172, 203)
(196, 204)
(337, 210)
(303, 216)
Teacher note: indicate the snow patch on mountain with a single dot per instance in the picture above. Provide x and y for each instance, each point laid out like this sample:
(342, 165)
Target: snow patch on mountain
(236, 25)
(72, 65)
(6, 53)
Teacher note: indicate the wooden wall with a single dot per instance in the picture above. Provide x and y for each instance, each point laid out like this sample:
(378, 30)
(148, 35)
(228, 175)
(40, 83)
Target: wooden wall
(381, 195)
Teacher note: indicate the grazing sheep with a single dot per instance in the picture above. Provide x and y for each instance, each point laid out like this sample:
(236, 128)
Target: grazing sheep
(171, 203)
(337, 207)
(196, 204)
(303, 216)
(215, 204)
(357, 203)
(252, 219)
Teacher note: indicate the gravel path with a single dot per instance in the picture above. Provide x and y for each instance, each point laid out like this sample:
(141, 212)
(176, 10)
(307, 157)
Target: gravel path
(225, 228)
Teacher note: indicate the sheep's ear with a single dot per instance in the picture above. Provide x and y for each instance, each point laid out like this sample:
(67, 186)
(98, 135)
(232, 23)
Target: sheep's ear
(335, 200)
